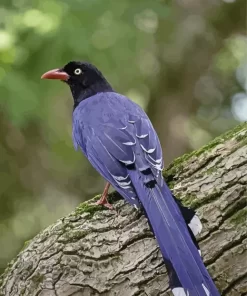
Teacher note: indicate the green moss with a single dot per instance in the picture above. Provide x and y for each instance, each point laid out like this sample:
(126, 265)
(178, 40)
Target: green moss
(240, 217)
(26, 244)
(171, 184)
(88, 207)
(190, 200)
(240, 137)
(112, 197)
(37, 279)
(178, 163)
(95, 198)
(79, 234)
(175, 166)
(244, 141)
(211, 170)
(229, 134)
(72, 236)
(91, 207)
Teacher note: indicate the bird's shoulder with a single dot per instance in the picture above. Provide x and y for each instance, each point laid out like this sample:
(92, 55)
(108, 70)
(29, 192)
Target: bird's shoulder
(104, 107)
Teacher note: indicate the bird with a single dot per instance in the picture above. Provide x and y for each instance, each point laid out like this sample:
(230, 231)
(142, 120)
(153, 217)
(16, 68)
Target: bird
(119, 140)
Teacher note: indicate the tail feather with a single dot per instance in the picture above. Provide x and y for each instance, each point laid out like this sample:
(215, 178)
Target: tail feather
(194, 227)
(173, 238)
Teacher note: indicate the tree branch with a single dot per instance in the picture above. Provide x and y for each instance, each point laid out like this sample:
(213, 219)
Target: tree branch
(94, 251)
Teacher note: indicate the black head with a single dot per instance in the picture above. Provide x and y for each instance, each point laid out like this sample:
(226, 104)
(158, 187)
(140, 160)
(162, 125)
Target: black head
(84, 79)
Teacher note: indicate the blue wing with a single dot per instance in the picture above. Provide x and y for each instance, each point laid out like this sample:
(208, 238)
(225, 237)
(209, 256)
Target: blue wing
(120, 146)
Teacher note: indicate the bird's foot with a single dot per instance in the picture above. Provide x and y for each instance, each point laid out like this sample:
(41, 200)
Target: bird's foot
(103, 200)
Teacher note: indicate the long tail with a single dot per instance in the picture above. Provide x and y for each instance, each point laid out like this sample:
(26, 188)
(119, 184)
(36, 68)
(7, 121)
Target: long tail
(194, 227)
(173, 238)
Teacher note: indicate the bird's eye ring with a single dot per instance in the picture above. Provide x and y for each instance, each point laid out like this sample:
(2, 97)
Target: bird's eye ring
(78, 71)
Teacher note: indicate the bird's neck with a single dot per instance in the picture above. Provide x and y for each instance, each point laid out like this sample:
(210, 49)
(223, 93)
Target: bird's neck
(80, 94)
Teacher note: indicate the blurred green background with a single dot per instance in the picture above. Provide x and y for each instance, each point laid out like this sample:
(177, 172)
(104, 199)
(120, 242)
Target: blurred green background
(183, 61)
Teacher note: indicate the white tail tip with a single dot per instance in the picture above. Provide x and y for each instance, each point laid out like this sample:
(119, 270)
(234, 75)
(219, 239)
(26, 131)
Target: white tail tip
(179, 292)
(195, 225)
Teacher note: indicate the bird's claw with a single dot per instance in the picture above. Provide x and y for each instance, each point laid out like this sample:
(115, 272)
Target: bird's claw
(105, 203)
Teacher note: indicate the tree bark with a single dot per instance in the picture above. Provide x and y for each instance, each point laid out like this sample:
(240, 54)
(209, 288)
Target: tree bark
(95, 251)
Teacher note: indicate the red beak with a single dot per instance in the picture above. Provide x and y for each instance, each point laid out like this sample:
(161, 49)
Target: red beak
(55, 74)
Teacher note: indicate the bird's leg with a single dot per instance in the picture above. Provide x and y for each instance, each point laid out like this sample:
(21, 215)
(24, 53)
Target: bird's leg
(103, 200)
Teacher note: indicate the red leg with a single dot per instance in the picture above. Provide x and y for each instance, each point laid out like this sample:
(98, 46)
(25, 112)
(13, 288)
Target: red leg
(103, 200)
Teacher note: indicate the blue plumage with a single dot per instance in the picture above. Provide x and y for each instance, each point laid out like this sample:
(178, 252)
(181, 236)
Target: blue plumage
(113, 151)
(119, 140)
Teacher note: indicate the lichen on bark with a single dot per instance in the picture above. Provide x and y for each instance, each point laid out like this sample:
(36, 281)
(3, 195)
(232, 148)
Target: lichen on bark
(95, 251)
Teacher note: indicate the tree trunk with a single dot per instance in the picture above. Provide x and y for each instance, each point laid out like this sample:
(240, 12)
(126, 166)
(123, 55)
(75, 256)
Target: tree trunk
(95, 251)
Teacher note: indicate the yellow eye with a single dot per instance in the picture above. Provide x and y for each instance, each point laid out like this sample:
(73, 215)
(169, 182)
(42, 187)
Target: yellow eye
(78, 71)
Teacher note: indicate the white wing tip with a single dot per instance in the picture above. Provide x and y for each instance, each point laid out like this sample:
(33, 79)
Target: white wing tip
(149, 150)
(142, 136)
(129, 143)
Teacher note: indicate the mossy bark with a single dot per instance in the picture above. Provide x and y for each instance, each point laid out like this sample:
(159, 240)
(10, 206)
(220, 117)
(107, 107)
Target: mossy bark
(95, 251)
